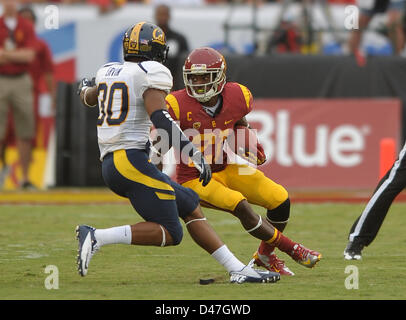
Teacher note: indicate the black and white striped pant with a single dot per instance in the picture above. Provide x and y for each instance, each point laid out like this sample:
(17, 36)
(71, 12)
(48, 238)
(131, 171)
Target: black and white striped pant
(367, 225)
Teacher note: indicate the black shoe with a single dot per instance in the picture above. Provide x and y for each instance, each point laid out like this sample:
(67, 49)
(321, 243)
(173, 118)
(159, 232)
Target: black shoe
(353, 250)
(28, 186)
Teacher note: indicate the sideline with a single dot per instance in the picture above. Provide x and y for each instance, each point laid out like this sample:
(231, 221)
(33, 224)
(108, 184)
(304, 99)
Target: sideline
(103, 196)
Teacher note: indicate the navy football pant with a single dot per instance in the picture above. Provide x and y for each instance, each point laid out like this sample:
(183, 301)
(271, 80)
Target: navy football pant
(155, 197)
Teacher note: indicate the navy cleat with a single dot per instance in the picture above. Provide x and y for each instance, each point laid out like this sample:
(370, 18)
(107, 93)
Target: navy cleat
(87, 247)
(248, 274)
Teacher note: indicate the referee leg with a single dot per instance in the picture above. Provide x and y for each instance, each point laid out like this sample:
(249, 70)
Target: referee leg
(367, 225)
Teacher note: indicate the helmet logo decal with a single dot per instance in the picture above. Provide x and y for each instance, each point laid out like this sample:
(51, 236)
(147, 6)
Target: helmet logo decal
(158, 36)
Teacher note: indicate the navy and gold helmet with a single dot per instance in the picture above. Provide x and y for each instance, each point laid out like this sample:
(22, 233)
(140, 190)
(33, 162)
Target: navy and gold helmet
(145, 40)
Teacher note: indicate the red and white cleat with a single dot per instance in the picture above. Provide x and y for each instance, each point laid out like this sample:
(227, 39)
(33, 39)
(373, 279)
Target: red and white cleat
(272, 263)
(304, 256)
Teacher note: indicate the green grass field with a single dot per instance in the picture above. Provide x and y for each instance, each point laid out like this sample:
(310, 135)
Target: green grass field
(33, 237)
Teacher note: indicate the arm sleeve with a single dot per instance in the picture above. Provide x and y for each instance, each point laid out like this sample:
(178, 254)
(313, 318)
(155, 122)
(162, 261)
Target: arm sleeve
(163, 120)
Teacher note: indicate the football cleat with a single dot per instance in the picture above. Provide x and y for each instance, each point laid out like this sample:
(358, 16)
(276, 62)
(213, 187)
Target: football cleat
(4, 172)
(250, 275)
(272, 263)
(28, 186)
(87, 247)
(353, 250)
(304, 256)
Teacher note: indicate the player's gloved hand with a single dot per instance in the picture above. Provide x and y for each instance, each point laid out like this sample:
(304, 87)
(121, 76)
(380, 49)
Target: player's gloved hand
(261, 154)
(84, 83)
(156, 157)
(203, 167)
(255, 156)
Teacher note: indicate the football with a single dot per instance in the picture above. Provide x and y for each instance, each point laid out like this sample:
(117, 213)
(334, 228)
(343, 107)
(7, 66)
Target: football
(244, 143)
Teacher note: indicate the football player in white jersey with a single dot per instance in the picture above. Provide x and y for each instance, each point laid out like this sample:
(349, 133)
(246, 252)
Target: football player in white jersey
(131, 97)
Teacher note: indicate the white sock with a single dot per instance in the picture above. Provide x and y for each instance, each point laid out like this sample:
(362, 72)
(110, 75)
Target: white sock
(113, 235)
(227, 259)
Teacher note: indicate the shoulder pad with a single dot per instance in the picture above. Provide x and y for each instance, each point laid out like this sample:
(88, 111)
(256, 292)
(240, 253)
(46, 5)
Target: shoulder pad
(110, 64)
(173, 105)
(247, 96)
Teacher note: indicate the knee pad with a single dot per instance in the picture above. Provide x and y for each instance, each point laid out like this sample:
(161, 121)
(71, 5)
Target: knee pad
(280, 214)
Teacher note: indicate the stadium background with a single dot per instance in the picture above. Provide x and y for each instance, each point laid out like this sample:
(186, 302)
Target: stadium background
(320, 116)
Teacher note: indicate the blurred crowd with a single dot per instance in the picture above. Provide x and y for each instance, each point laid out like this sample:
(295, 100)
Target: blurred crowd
(107, 6)
(110, 5)
(121, 2)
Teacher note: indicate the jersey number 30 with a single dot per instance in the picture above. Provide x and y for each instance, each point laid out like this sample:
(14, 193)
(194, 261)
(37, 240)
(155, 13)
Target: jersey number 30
(106, 111)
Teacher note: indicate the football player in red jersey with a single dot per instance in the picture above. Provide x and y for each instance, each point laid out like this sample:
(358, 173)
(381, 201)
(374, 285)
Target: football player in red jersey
(209, 109)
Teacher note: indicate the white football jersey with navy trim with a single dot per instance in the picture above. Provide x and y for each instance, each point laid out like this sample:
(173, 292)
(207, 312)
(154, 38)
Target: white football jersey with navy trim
(123, 122)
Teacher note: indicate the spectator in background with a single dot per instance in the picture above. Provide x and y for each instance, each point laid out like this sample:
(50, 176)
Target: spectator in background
(106, 6)
(17, 51)
(55, 1)
(26, 2)
(42, 74)
(221, 1)
(176, 2)
(177, 43)
(368, 9)
(286, 39)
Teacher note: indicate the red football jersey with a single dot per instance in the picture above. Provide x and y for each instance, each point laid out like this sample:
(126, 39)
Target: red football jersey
(206, 132)
(24, 37)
